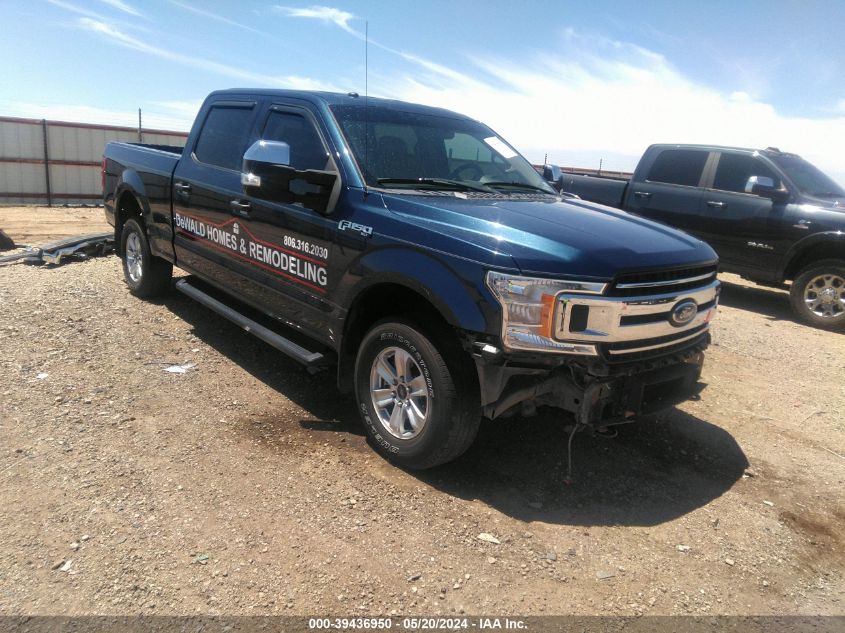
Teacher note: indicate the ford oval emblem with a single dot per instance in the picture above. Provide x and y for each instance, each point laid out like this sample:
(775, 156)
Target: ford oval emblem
(683, 313)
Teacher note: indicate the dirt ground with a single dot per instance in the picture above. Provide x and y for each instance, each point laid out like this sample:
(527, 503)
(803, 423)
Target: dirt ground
(245, 486)
(33, 226)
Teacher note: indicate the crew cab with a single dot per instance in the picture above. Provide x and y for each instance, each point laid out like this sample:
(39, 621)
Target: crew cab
(417, 254)
(771, 216)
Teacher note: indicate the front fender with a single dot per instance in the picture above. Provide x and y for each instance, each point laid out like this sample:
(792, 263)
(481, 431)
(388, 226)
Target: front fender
(802, 246)
(455, 287)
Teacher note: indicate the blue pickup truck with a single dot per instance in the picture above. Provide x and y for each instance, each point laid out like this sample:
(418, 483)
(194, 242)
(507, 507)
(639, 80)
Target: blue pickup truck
(772, 216)
(418, 254)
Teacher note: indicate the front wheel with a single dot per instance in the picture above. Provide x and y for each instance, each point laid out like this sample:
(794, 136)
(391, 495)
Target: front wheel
(818, 295)
(419, 409)
(146, 275)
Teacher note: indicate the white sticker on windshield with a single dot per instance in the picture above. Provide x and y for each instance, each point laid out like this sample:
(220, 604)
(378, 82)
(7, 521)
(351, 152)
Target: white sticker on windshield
(500, 147)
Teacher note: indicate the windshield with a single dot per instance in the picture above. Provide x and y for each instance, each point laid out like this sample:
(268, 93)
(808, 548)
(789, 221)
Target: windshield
(423, 151)
(808, 178)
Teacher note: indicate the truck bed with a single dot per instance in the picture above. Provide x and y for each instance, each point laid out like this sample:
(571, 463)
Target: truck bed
(602, 189)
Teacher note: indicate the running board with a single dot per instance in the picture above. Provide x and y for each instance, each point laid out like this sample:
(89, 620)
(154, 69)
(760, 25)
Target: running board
(312, 360)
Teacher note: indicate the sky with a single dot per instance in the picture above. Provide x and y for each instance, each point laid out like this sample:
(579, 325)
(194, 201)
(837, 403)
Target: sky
(579, 82)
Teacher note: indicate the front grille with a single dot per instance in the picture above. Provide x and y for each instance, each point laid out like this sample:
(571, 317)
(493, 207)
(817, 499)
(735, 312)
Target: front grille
(639, 319)
(624, 346)
(655, 282)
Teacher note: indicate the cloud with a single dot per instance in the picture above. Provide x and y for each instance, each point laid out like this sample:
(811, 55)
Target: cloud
(330, 15)
(215, 17)
(122, 6)
(580, 106)
(158, 116)
(117, 36)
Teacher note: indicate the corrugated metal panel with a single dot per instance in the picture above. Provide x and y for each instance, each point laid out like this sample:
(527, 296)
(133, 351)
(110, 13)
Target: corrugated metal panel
(20, 141)
(75, 152)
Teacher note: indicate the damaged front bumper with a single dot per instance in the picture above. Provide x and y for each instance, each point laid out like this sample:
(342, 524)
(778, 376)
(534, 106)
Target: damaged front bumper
(597, 393)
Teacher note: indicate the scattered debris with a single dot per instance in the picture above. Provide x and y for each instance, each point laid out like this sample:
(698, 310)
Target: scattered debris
(74, 546)
(6, 242)
(42, 375)
(769, 503)
(57, 564)
(202, 559)
(180, 369)
(730, 561)
(604, 575)
(683, 548)
(551, 555)
(414, 577)
(748, 472)
(489, 538)
(491, 559)
(76, 248)
(66, 566)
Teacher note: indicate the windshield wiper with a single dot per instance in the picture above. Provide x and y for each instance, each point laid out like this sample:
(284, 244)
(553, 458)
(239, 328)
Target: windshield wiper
(518, 185)
(457, 185)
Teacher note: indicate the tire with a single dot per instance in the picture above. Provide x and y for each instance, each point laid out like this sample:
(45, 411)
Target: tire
(146, 275)
(817, 295)
(437, 390)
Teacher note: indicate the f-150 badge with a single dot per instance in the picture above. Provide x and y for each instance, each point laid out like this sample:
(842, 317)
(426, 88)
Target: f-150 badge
(346, 225)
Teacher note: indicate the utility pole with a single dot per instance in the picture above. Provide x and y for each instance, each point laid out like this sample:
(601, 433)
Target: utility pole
(601, 160)
(140, 134)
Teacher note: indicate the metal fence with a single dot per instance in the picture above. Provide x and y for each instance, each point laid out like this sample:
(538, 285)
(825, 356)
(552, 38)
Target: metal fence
(57, 162)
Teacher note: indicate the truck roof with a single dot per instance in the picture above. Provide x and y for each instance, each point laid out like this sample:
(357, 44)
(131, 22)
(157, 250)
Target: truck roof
(341, 98)
(715, 148)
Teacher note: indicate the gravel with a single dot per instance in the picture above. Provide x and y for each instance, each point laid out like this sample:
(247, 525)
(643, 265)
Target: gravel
(245, 486)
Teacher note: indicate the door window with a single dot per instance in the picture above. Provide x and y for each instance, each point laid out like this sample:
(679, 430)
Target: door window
(678, 167)
(223, 137)
(306, 149)
(734, 170)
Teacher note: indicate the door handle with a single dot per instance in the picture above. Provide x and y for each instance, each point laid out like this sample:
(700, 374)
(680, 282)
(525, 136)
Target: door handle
(716, 205)
(241, 208)
(182, 188)
(642, 194)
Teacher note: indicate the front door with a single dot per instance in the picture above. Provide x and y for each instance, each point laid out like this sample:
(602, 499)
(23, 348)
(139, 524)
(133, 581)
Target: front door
(291, 244)
(740, 226)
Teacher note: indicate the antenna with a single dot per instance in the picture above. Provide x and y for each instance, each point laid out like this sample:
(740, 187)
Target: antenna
(366, 102)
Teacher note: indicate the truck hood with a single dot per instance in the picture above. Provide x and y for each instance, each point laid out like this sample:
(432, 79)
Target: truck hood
(550, 236)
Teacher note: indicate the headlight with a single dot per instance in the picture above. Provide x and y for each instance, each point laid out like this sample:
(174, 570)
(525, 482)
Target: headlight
(528, 309)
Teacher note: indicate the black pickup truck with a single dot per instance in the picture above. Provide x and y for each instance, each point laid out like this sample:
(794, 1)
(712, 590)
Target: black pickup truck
(419, 254)
(771, 216)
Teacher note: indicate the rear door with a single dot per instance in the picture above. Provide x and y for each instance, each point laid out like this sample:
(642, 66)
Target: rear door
(671, 190)
(206, 182)
(742, 227)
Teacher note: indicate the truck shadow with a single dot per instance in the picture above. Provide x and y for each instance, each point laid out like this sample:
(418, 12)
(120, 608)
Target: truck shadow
(772, 304)
(649, 474)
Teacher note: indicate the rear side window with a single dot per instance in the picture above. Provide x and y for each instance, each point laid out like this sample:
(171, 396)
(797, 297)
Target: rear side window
(734, 170)
(678, 167)
(222, 140)
(306, 149)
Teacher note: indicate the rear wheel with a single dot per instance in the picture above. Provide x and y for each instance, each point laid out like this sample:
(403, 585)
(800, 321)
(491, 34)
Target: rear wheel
(416, 396)
(818, 295)
(146, 275)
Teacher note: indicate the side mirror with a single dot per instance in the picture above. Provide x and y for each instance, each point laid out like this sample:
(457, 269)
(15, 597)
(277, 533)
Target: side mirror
(267, 174)
(764, 187)
(551, 174)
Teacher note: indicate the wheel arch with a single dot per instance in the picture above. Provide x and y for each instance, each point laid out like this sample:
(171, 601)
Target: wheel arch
(391, 297)
(813, 248)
